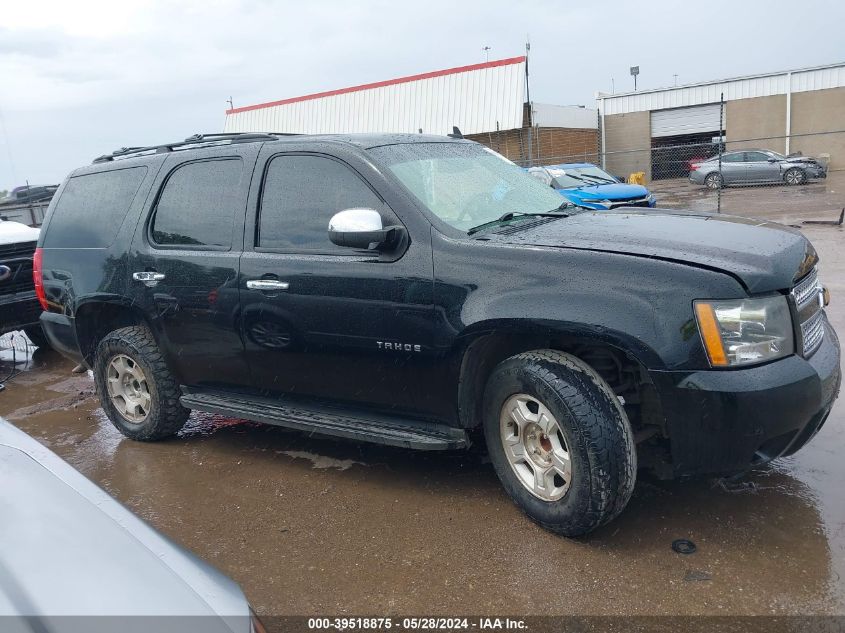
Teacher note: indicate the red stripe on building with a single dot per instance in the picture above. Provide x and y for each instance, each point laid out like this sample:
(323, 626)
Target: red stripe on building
(381, 84)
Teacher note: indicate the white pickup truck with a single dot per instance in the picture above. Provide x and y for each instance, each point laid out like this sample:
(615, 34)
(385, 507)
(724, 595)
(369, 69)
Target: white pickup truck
(19, 307)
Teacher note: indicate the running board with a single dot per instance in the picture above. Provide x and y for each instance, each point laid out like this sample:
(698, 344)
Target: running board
(324, 420)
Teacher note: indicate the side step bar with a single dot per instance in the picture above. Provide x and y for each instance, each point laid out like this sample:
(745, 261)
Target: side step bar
(324, 420)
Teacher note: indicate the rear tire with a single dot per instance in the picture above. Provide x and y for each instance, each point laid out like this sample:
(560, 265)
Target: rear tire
(136, 389)
(573, 427)
(795, 176)
(713, 181)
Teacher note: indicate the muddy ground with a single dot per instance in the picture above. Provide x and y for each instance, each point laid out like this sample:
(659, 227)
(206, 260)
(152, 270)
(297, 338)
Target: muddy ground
(313, 526)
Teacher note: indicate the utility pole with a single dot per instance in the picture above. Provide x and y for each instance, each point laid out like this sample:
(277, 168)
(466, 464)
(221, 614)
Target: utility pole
(486, 51)
(231, 105)
(528, 101)
(676, 78)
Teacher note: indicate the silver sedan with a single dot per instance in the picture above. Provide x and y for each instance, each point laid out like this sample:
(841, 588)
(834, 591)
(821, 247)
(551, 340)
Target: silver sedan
(755, 166)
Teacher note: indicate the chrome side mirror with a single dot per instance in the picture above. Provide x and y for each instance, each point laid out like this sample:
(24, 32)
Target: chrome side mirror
(360, 228)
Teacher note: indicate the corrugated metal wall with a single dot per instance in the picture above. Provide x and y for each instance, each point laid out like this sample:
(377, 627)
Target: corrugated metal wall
(740, 88)
(476, 98)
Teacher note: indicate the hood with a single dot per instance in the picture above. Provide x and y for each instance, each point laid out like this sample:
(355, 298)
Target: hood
(15, 233)
(763, 256)
(616, 191)
(800, 159)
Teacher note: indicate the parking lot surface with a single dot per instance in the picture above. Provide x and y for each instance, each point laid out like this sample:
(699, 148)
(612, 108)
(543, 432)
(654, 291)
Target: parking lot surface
(818, 199)
(315, 526)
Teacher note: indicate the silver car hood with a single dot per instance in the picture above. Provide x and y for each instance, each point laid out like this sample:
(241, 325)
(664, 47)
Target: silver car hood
(67, 548)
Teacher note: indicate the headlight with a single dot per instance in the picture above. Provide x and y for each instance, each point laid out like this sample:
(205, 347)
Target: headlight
(745, 331)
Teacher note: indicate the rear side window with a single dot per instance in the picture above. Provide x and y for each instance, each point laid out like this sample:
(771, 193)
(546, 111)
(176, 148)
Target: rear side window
(301, 194)
(198, 204)
(92, 208)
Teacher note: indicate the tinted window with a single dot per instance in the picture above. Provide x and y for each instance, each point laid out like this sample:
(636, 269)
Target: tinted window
(92, 208)
(198, 204)
(301, 194)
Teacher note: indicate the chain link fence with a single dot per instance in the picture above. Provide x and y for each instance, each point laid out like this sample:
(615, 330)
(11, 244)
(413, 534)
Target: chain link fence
(787, 178)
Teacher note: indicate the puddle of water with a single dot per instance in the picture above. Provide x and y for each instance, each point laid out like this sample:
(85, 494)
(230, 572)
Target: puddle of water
(321, 462)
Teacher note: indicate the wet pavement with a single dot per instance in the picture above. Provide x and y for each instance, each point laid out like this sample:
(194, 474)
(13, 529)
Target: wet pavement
(816, 200)
(314, 526)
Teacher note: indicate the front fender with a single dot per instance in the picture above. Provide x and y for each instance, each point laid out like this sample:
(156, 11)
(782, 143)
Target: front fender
(638, 304)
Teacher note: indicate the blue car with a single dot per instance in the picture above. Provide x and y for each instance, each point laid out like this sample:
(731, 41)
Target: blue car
(591, 187)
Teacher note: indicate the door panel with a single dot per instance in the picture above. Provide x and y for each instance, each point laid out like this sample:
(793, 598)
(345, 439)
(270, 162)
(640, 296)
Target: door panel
(760, 169)
(351, 326)
(192, 238)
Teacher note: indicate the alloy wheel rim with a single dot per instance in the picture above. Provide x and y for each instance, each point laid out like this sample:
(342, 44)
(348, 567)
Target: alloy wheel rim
(793, 177)
(128, 388)
(535, 447)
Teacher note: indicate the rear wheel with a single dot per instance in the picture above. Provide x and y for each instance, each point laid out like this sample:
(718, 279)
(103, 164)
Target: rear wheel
(713, 181)
(559, 440)
(795, 176)
(136, 389)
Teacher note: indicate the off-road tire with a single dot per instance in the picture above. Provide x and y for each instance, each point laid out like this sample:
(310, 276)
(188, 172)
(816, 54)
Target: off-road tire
(166, 415)
(601, 444)
(795, 176)
(36, 335)
(713, 181)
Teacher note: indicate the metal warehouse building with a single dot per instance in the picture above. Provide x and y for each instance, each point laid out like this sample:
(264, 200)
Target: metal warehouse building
(485, 101)
(799, 110)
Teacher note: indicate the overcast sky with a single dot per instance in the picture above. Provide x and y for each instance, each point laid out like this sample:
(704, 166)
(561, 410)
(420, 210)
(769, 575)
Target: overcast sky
(79, 78)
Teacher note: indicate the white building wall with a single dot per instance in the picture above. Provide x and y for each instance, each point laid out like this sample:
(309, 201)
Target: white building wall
(548, 115)
(801, 80)
(478, 98)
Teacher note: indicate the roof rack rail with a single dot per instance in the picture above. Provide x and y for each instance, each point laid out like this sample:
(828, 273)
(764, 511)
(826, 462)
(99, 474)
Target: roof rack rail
(192, 141)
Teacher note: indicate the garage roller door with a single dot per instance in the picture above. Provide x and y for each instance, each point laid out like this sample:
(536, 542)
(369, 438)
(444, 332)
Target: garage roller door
(678, 121)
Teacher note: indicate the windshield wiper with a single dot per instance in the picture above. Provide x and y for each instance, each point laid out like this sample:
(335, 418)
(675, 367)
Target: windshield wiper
(599, 178)
(511, 215)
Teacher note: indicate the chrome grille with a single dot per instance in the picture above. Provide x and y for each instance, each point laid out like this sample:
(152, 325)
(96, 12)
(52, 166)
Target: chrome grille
(812, 332)
(807, 287)
(806, 293)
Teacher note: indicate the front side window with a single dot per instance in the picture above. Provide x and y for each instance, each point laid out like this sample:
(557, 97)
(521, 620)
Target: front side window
(301, 193)
(465, 184)
(198, 204)
(756, 157)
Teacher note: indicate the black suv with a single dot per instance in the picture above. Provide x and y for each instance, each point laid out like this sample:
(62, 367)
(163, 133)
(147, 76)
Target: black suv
(424, 292)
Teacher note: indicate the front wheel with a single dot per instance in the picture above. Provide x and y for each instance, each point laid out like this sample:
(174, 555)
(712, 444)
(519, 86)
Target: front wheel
(795, 176)
(137, 391)
(559, 441)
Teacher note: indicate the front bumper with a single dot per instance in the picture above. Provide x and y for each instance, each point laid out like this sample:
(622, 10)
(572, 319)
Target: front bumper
(61, 333)
(18, 310)
(722, 422)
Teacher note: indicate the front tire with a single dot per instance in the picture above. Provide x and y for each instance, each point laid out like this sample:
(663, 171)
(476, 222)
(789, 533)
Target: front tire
(136, 389)
(559, 441)
(795, 176)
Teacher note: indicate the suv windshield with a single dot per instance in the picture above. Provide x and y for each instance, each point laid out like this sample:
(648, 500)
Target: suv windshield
(465, 184)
